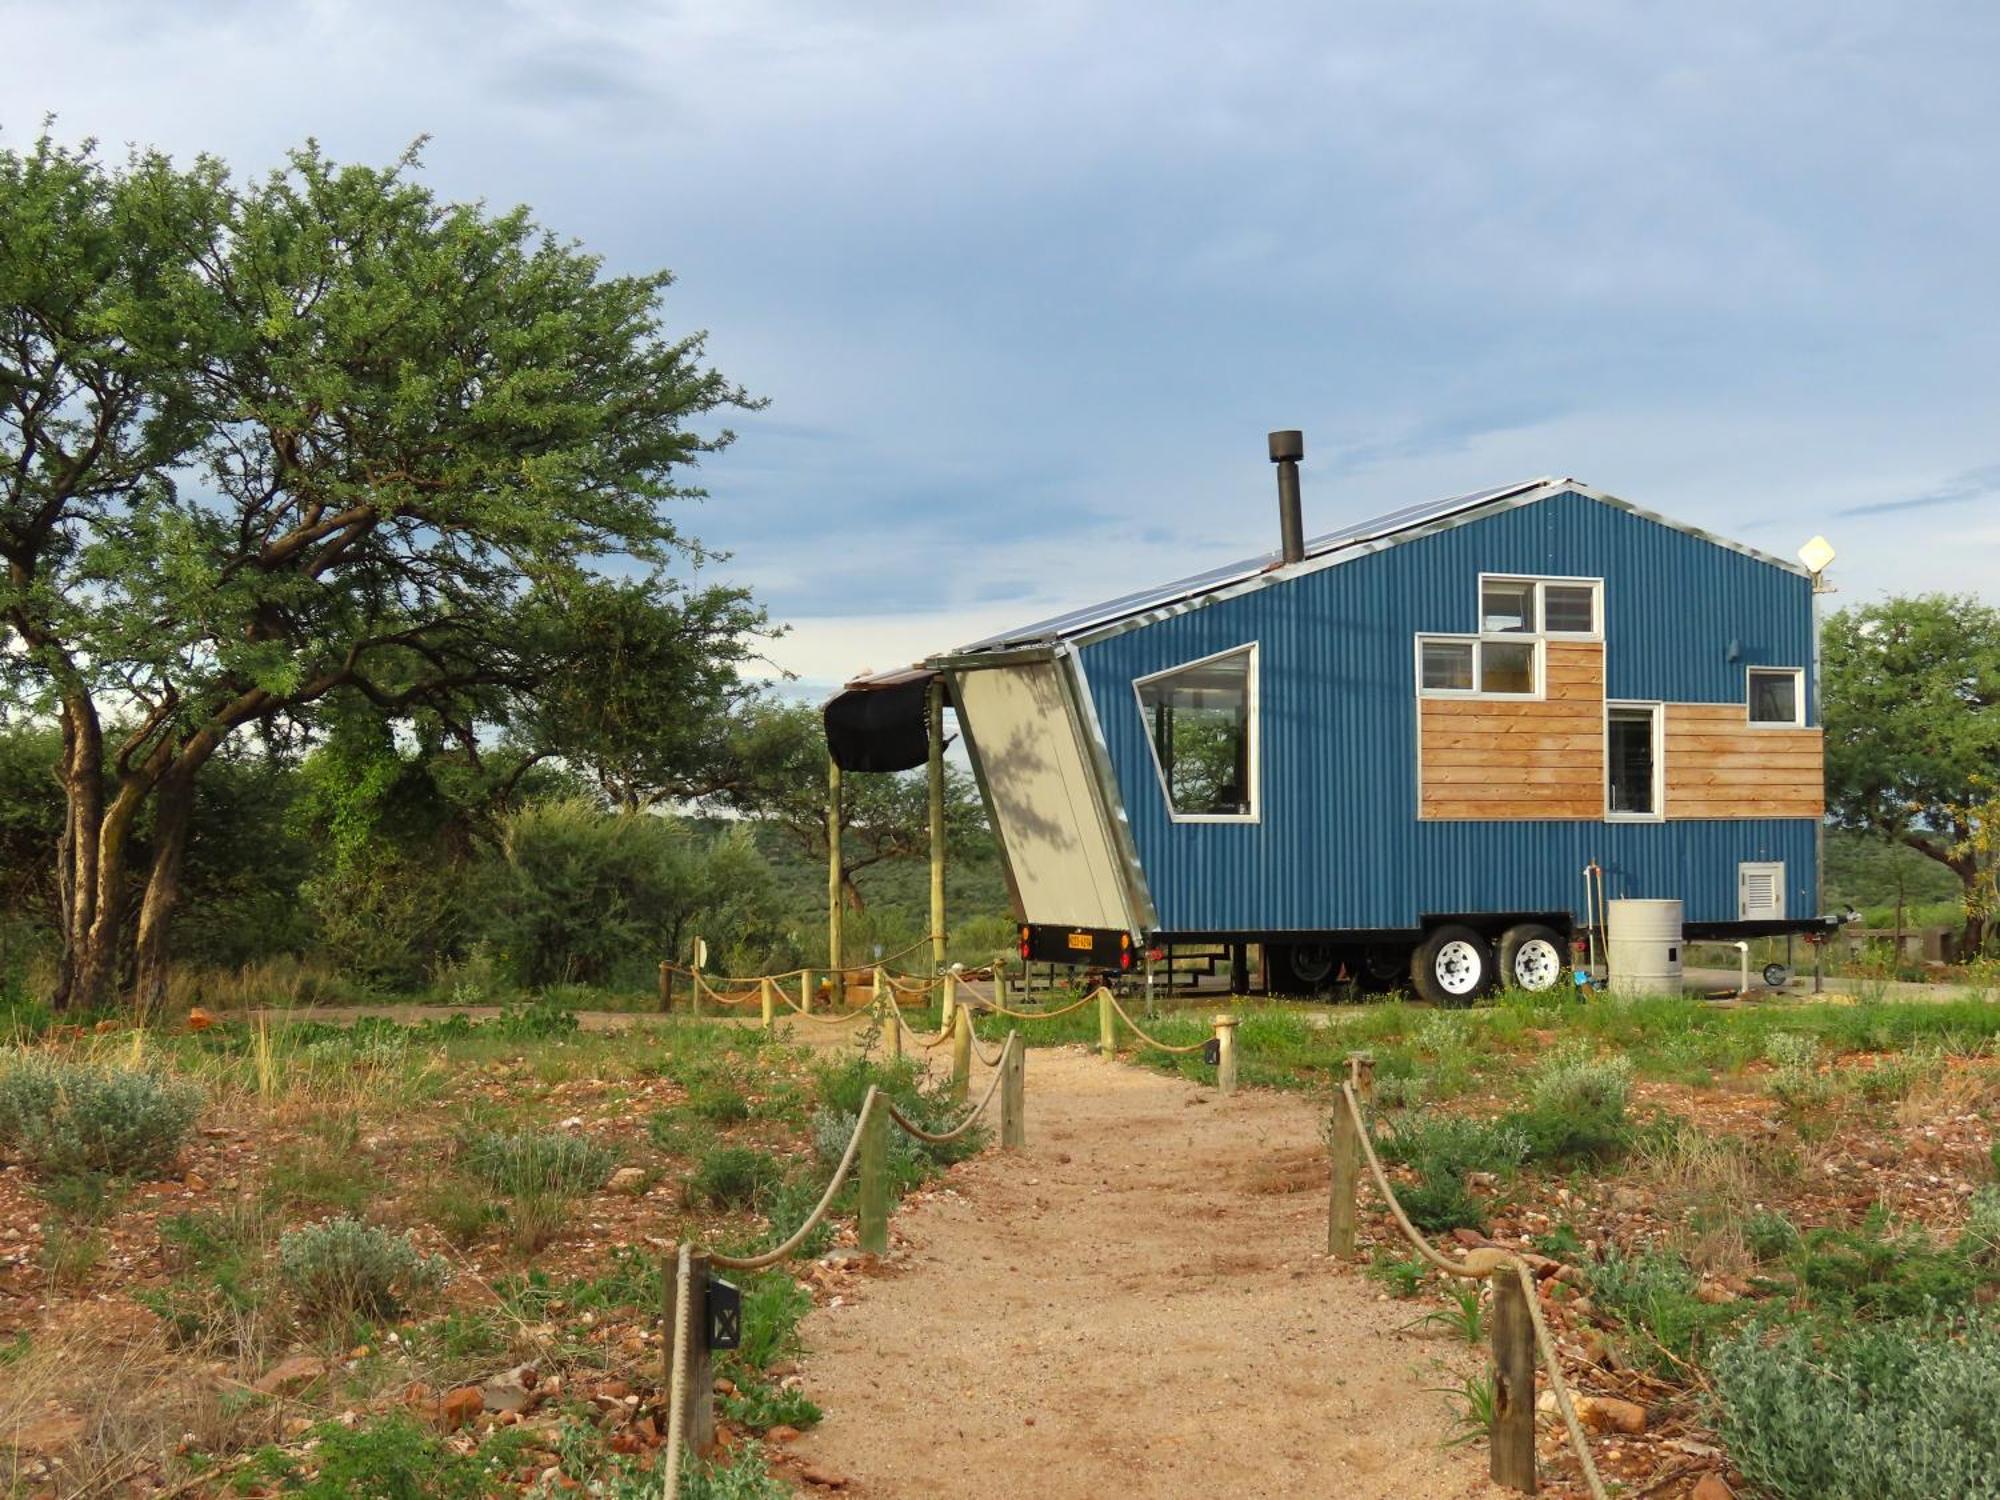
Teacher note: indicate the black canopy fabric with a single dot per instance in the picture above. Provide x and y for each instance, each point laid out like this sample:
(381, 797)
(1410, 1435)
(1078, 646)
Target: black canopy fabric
(880, 729)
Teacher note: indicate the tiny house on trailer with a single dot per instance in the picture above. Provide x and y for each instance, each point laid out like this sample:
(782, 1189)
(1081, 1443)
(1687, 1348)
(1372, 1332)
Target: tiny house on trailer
(1389, 754)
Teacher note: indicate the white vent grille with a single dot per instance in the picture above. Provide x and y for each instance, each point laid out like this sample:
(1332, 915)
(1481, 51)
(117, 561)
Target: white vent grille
(1760, 891)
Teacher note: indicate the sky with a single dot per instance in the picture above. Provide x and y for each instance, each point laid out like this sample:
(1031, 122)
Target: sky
(1026, 284)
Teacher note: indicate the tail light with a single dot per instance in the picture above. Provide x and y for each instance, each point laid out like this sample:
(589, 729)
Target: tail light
(1024, 942)
(1124, 950)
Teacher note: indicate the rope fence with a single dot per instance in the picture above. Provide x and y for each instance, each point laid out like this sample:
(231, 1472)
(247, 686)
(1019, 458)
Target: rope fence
(696, 1328)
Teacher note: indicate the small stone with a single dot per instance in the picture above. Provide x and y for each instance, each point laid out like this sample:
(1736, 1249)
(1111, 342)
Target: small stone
(631, 1181)
(1609, 1414)
(1711, 1487)
(194, 1182)
(826, 1479)
(290, 1376)
(199, 1019)
(511, 1392)
(781, 1434)
(616, 1390)
(460, 1406)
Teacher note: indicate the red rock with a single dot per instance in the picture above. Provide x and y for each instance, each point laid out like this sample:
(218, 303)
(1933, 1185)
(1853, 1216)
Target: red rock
(290, 1376)
(199, 1019)
(826, 1479)
(1711, 1487)
(616, 1390)
(782, 1434)
(1609, 1414)
(460, 1406)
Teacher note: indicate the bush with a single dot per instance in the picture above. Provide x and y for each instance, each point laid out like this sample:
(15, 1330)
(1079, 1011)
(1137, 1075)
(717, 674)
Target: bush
(1654, 1295)
(735, 1177)
(538, 1162)
(1576, 1107)
(719, 1101)
(1904, 1413)
(1880, 1271)
(69, 1117)
(343, 1269)
(1444, 1150)
(1796, 1081)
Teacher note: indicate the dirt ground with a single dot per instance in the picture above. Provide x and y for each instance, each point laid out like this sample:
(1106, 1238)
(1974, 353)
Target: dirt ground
(1135, 1305)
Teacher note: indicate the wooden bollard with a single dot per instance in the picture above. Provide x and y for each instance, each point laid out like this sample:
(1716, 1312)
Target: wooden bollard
(948, 1015)
(873, 1212)
(806, 990)
(1361, 1073)
(767, 993)
(1107, 1031)
(1000, 980)
(1512, 1440)
(666, 986)
(1346, 1175)
(961, 1053)
(1013, 1093)
(1225, 1055)
(698, 1386)
(885, 997)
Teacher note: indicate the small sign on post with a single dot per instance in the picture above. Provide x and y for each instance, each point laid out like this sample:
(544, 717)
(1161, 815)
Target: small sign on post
(725, 1314)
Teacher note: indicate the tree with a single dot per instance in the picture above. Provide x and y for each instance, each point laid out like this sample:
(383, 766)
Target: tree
(1912, 712)
(319, 434)
(777, 771)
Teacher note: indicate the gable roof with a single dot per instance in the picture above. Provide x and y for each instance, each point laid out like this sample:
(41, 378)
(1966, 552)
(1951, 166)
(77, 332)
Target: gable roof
(1357, 540)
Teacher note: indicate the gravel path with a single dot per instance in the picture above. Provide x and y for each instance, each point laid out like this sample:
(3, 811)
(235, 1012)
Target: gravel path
(1133, 1306)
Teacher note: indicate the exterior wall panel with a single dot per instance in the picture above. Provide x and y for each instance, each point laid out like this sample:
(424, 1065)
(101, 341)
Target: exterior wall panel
(1339, 843)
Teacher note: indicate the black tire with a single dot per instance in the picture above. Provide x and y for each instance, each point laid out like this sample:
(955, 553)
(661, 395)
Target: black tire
(1532, 958)
(1303, 968)
(1452, 966)
(1378, 970)
(1776, 976)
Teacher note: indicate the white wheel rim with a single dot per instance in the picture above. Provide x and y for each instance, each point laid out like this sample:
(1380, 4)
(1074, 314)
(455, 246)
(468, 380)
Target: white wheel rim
(1457, 967)
(1536, 964)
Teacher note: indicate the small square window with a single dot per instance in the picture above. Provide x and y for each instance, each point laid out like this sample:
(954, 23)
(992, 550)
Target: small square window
(1506, 608)
(1774, 697)
(1507, 667)
(1569, 609)
(1447, 666)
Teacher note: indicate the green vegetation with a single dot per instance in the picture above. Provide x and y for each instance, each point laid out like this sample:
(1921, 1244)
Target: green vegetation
(66, 1117)
(343, 1270)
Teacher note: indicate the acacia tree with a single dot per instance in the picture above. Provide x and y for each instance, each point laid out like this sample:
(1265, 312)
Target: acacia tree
(321, 433)
(1912, 712)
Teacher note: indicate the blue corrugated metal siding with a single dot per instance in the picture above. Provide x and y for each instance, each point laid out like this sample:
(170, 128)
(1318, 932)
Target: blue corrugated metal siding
(1339, 844)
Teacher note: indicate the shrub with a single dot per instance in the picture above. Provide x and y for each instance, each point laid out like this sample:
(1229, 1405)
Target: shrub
(720, 1102)
(1576, 1107)
(397, 1458)
(1796, 1081)
(1769, 1235)
(735, 1176)
(1654, 1295)
(70, 1117)
(539, 1021)
(1444, 1150)
(1880, 1271)
(1903, 1413)
(343, 1269)
(741, 1476)
(538, 1162)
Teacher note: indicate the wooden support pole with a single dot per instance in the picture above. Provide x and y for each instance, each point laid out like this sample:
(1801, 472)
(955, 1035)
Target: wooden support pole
(934, 703)
(1512, 1441)
(767, 993)
(698, 1386)
(1225, 1055)
(885, 1000)
(835, 894)
(873, 1227)
(1346, 1179)
(961, 1054)
(699, 955)
(1000, 979)
(666, 986)
(1107, 1031)
(1239, 968)
(806, 990)
(1361, 1073)
(1013, 1093)
(949, 1014)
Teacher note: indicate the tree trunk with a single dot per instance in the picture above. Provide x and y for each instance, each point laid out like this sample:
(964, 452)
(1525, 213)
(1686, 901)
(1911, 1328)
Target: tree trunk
(173, 812)
(81, 773)
(852, 892)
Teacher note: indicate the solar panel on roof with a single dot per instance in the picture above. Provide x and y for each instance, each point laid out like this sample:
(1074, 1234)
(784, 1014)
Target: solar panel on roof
(1077, 621)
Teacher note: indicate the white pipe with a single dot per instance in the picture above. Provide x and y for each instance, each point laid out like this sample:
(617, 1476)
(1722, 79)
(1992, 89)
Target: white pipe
(1743, 984)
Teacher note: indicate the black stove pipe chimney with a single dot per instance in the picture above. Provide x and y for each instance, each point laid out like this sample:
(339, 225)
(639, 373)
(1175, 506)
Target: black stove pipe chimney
(1287, 448)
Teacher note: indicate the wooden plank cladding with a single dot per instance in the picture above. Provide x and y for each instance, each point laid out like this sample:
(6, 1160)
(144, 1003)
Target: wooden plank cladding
(1719, 765)
(1514, 758)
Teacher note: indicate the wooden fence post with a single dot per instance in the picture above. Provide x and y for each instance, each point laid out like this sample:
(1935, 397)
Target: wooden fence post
(1346, 1173)
(1000, 980)
(885, 997)
(1013, 1092)
(1107, 1032)
(666, 986)
(1225, 1055)
(948, 1016)
(698, 1386)
(806, 990)
(767, 993)
(961, 1054)
(1512, 1441)
(873, 1226)
(1361, 1073)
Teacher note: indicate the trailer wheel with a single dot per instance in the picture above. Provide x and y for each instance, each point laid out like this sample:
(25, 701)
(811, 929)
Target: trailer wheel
(1378, 970)
(1303, 968)
(1531, 957)
(1452, 966)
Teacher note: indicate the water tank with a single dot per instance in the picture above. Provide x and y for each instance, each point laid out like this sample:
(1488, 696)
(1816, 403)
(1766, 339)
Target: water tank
(1643, 943)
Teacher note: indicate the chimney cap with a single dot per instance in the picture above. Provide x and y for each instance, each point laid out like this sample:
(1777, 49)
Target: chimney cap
(1288, 444)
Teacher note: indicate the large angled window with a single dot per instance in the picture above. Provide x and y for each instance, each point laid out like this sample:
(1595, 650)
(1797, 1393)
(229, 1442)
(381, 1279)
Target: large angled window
(1202, 722)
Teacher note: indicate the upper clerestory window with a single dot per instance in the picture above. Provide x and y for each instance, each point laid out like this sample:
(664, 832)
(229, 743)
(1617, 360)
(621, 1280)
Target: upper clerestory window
(1540, 606)
(1201, 721)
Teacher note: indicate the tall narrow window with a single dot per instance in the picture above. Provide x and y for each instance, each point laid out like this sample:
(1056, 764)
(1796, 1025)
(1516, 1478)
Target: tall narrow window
(1776, 696)
(1201, 720)
(1632, 762)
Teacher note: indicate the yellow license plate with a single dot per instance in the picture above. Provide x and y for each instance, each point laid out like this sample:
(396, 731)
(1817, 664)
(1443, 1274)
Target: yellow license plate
(1081, 942)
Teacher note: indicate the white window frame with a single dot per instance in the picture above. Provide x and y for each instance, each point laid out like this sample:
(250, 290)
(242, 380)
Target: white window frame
(1798, 719)
(1478, 689)
(1595, 585)
(1254, 752)
(1659, 713)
